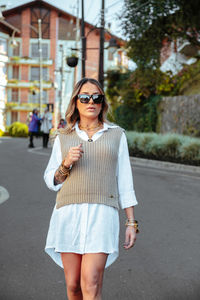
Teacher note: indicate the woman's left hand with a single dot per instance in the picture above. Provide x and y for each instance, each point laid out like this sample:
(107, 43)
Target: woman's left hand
(130, 237)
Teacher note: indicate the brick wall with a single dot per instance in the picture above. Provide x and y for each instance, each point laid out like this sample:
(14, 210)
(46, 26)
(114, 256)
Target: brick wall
(25, 33)
(23, 116)
(92, 56)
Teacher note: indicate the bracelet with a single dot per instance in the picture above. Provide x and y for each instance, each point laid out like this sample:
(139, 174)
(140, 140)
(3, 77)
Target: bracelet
(132, 223)
(63, 165)
(63, 170)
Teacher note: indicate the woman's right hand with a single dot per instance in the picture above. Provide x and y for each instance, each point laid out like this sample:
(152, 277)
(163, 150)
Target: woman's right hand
(74, 154)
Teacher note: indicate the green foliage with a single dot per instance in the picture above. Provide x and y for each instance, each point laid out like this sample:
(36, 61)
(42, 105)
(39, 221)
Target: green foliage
(134, 96)
(191, 151)
(147, 23)
(18, 129)
(133, 99)
(1, 132)
(168, 147)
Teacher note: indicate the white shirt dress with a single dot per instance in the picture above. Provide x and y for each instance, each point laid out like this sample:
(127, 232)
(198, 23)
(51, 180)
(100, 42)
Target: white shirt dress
(88, 228)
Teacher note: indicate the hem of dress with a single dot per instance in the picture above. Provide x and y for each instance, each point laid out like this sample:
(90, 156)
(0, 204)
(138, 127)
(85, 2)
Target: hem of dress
(56, 256)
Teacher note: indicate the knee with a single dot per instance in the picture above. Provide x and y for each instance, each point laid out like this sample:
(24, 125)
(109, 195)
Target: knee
(73, 287)
(90, 285)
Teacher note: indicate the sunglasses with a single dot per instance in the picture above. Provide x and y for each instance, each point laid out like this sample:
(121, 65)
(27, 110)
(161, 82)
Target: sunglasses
(97, 99)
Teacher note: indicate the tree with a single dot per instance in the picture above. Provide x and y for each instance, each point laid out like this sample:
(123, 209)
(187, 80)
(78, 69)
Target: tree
(147, 23)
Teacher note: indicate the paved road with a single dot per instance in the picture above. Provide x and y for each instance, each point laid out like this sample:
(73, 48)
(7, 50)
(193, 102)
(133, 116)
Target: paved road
(164, 264)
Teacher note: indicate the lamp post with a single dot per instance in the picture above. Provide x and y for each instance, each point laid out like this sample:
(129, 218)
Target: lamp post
(62, 72)
(113, 46)
(40, 62)
(83, 39)
(62, 79)
(112, 43)
(101, 47)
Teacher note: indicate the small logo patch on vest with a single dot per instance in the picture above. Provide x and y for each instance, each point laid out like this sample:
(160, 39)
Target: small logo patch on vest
(111, 196)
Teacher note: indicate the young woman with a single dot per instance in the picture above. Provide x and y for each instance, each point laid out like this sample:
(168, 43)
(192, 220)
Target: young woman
(90, 169)
(46, 127)
(33, 127)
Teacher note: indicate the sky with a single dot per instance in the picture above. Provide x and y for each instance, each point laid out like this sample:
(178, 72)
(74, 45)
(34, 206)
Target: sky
(113, 10)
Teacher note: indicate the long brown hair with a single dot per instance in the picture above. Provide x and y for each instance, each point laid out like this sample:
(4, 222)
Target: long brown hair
(72, 114)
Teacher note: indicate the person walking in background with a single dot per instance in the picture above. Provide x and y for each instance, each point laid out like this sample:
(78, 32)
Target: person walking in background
(61, 124)
(90, 169)
(33, 127)
(46, 127)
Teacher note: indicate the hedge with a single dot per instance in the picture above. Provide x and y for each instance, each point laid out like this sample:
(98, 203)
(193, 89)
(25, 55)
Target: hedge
(167, 147)
(18, 129)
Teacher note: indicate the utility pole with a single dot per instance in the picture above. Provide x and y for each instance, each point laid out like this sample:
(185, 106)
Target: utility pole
(40, 63)
(77, 37)
(101, 46)
(62, 79)
(83, 38)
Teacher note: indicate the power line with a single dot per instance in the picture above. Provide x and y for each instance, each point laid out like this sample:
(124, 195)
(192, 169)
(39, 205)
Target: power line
(115, 3)
(91, 1)
(96, 17)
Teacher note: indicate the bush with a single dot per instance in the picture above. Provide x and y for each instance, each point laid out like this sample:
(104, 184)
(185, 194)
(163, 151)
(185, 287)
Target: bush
(190, 151)
(167, 147)
(1, 132)
(18, 129)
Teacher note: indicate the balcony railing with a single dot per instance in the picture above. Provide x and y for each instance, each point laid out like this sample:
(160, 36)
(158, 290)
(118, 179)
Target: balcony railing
(17, 60)
(15, 83)
(22, 106)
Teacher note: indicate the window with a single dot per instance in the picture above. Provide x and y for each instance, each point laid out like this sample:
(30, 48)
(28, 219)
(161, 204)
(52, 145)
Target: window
(45, 97)
(15, 72)
(67, 29)
(14, 95)
(44, 15)
(35, 73)
(16, 50)
(35, 50)
(35, 97)
(3, 46)
(14, 116)
(110, 55)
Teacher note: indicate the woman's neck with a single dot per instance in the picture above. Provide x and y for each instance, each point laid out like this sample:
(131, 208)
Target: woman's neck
(89, 123)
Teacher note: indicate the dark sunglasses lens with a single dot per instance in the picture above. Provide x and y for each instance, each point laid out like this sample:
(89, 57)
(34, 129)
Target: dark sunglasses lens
(84, 98)
(98, 98)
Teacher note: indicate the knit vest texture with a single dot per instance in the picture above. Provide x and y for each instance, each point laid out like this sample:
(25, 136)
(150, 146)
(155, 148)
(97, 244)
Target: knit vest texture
(93, 178)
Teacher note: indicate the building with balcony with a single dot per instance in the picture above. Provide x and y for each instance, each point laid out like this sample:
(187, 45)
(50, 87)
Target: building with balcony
(6, 30)
(22, 65)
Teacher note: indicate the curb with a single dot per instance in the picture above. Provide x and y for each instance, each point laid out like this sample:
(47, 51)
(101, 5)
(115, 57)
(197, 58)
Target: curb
(156, 164)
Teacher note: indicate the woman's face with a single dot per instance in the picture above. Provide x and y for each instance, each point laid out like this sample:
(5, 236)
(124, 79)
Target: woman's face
(89, 110)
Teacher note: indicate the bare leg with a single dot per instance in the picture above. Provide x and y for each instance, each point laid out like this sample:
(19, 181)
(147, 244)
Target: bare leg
(72, 269)
(92, 270)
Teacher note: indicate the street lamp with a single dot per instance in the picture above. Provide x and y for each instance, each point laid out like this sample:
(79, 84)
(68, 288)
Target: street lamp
(13, 43)
(40, 61)
(112, 46)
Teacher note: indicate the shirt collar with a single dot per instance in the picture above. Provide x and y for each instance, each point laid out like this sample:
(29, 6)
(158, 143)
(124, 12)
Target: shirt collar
(106, 126)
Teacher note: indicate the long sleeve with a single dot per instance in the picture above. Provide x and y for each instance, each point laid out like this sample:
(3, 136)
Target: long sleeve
(127, 195)
(54, 163)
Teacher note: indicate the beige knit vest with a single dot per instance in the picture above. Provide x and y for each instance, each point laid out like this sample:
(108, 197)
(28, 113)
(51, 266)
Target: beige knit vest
(93, 178)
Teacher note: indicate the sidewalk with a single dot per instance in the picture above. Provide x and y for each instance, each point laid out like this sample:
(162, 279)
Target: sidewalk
(135, 161)
(156, 164)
